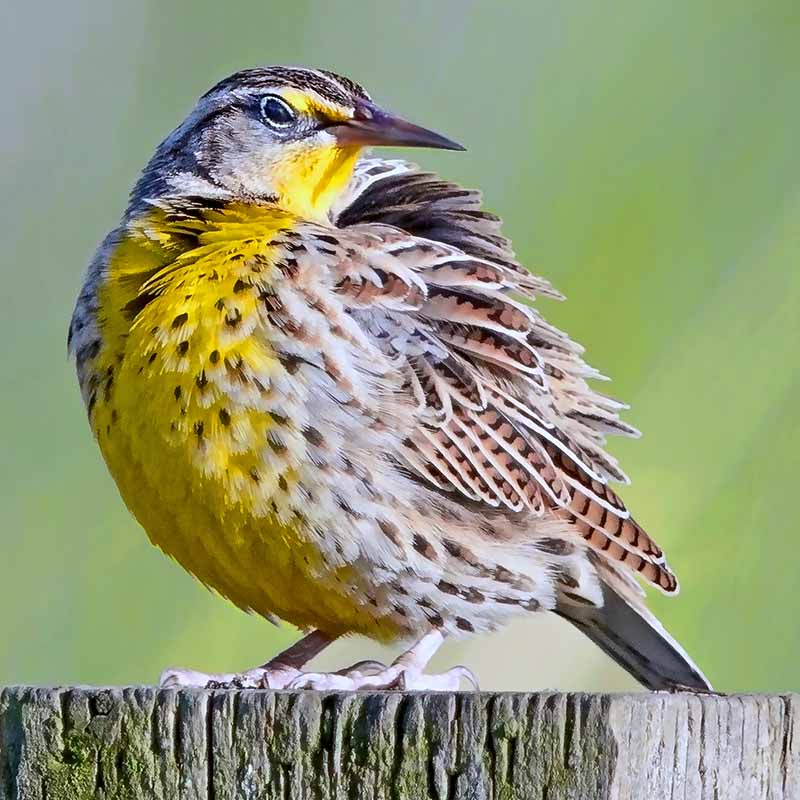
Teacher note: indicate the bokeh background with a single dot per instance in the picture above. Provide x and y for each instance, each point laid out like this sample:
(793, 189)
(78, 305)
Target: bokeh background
(645, 157)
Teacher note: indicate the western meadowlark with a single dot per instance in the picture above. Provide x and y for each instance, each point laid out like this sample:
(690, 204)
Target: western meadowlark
(321, 386)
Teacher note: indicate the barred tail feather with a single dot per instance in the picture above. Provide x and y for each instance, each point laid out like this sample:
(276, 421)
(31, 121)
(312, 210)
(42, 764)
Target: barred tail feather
(637, 641)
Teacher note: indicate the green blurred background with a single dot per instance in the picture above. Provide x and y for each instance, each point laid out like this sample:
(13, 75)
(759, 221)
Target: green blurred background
(645, 157)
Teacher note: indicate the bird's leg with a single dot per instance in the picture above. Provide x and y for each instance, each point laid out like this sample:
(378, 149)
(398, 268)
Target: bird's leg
(284, 671)
(300, 653)
(277, 673)
(406, 672)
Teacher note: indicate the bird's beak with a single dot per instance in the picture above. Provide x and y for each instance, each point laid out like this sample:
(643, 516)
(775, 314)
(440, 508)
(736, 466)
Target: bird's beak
(372, 126)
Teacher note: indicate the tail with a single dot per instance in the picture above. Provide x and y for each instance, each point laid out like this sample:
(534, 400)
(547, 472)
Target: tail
(637, 641)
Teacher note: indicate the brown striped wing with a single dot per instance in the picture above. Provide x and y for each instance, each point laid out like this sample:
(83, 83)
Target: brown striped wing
(506, 416)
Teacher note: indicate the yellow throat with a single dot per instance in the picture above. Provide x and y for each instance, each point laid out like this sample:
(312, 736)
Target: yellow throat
(309, 181)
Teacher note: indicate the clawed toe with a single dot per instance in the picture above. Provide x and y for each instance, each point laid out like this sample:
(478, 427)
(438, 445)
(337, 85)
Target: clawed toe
(259, 678)
(283, 672)
(414, 680)
(174, 677)
(396, 676)
(363, 667)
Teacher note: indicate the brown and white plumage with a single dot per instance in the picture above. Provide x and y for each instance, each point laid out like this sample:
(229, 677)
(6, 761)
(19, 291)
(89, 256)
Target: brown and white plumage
(506, 416)
(323, 384)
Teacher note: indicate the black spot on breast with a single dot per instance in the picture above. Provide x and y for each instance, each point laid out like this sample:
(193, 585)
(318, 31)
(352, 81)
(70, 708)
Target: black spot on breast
(390, 531)
(506, 601)
(268, 297)
(564, 577)
(460, 552)
(473, 595)
(182, 348)
(424, 547)
(347, 508)
(132, 309)
(276, 446)
(180, 320)
(555, 547)
(291, 363)
(313, 436)
(234, 366)
(435, 619)
(224, 416)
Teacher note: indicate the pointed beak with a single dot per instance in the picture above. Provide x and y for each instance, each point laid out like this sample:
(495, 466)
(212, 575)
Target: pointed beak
(372, 126)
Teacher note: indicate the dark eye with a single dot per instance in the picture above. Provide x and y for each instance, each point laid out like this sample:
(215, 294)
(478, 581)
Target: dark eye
(276, 112)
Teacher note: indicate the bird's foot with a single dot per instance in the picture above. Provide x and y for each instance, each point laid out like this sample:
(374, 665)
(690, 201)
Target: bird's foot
(364, 675)
(271, 676)
(405, 677)
(277, 673)
(258, 678)
(406, 673)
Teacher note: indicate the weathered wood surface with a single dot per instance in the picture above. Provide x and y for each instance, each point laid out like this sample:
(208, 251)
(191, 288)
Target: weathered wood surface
(144, 743)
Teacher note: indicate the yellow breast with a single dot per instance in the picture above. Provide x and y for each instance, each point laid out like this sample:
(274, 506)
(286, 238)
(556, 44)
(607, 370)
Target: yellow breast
(191, 410)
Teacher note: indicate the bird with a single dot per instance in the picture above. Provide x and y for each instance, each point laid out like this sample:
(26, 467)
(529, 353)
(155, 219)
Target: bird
(322, 383)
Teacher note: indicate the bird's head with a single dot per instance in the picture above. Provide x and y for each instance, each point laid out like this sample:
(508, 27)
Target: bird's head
(289, 135)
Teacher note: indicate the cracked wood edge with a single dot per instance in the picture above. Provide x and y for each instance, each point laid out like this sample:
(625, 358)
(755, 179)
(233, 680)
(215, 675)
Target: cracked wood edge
(142, 743)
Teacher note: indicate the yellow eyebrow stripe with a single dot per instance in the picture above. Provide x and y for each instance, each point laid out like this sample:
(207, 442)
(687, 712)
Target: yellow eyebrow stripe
(307, 103)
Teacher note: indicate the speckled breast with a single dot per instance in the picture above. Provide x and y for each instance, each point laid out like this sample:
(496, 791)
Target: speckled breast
(203, 422)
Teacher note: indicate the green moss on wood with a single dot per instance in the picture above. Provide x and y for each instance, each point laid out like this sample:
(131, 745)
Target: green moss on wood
(149, 744)
(72, 776)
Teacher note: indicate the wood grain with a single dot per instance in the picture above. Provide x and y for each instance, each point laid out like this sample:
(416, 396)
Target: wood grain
(142, 742)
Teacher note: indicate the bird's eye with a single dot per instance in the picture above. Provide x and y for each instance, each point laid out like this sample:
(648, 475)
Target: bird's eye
(276, 112)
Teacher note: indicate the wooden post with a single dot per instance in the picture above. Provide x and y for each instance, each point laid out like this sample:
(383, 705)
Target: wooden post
(143, 743)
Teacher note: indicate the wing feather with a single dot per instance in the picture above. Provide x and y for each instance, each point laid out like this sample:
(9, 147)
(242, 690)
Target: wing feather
(506, 416)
